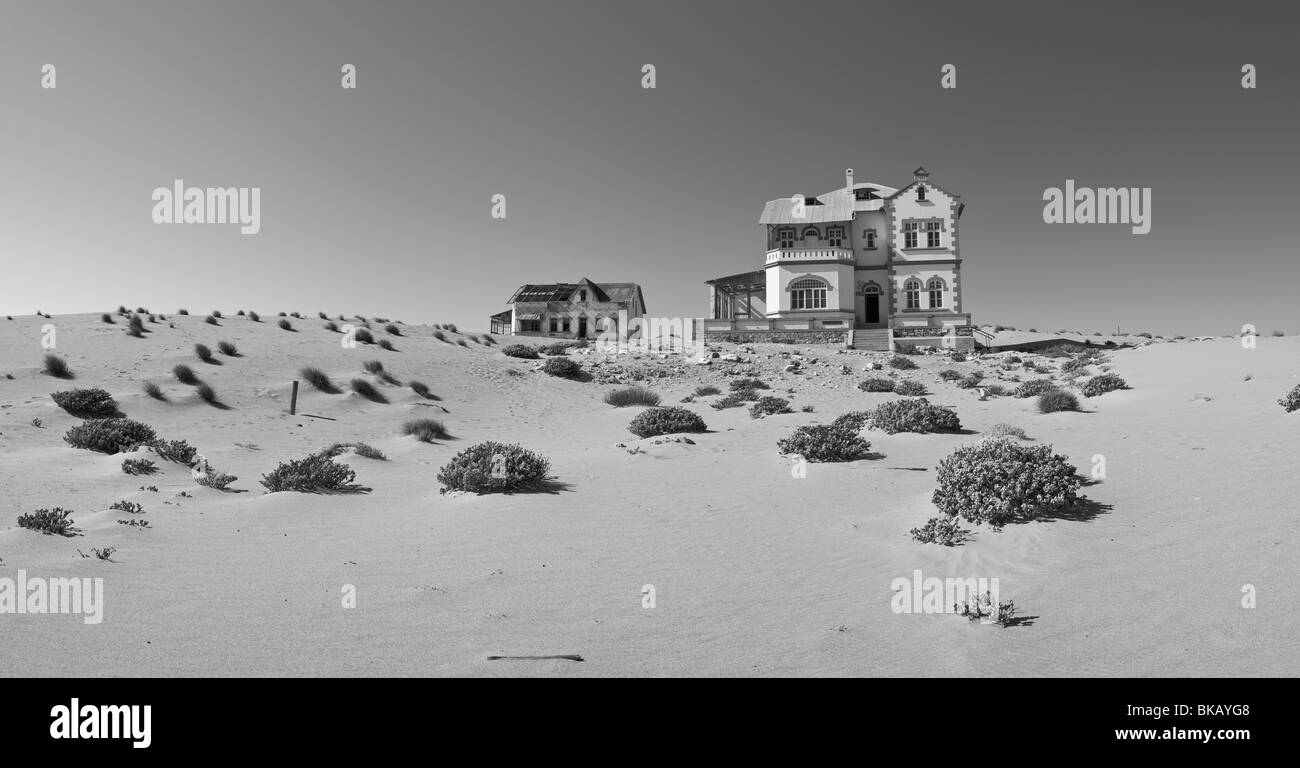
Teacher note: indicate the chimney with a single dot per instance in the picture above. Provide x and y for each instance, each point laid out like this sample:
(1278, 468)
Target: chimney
(848, 178)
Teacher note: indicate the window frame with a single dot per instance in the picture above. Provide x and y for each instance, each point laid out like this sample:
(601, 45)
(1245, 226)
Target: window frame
(912, 293)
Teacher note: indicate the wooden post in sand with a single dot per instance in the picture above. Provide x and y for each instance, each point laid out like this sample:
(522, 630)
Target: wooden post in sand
(293, 399)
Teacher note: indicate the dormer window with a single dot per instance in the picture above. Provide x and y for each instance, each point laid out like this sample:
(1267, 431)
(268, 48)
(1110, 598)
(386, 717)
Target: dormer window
(920, 193)
(582, 295)
(865, 194)
(785, 237)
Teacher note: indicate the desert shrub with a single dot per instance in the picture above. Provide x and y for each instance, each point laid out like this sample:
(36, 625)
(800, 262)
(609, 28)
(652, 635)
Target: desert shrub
(998, 481)
(240, 313)
(210, 320)
(909, 387)
(1035, 388)
(665, 421)
(139, 467)
(913, 416)
(994, 390)
(1101, 384)
(876, 384)
(901, 363)
(177, 451)
(562, 367)
(369, 452)
(182, 311)
(440, 336)
(522, 351)
(107, 318)
(1074, 364)
(185, 375)
(425, 430)
(707, 390)
(364, 336)
(1291, 401)
(109, 435)
(1057, 400)
(316, 473)
(51, 522)
(491, 467)
(487, 340)
(941, 530)
(739, 384)
(319, 380)
(556, 348)
(86, 403)
(959, 357)
(982, 607)
(1012, 359)
(331, 326)
(733, 400)
(387, 345)
(766, 406)
(1007, 430)
(227, 349)
(153, 390)
(135, 326)
(285, 324)
(374, 367)
(216, 313)
(421, 389)
(634, 395)
(950, 374)
(970, 380)
(207, 394)
(203, 353)
(295, 315)
(462, 343)
(825, 443)
(806, 409)
(853, 420)
(368, 391)
(211, 478)
(129, 507)
(254, 317)
(57, 367)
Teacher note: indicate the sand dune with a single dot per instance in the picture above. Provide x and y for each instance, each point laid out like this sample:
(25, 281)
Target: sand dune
(755, 572)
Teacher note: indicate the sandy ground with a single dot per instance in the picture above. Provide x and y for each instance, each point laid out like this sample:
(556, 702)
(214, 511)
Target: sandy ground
(755, 572)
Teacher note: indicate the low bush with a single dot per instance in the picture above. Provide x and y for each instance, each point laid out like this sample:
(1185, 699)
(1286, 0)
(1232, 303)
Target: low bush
(387, 345)
(1035, 387)
(876, 384)
(1057, 400)
(1291, 401)
(364, 336)
(319, 380)
(207, 394)
(425, 430)
(941, 530)
(369, 452)
(825, 443)
(556, 348)
(421, 389)
(254, 317)
(227, 349)
(739, 384)
(950, 374)
(86, 403)
(210, 320)
(562, 367)
(913, 416)
(767, 406)
(139, 467)
(57, 367)
(285, 324)
(853, 420)
(1101, 384)
(733, 400)
(492, 467)
(910, 388)
(629, 396)
(665, 421)
(202, 352)
(129, 507)
(185, 375)
(51, 522)
(135, 326)
(707, 390)
(440, 336)
(211, 478)
(153, 390)
(901, 363)
(998, 481)
(109, 435)
(316, 473)
(332, 326)
(522, 351)
(368, 391)
(970, 380)
(1007, 430)
(374, 367)
(177, 451)
(107, 318)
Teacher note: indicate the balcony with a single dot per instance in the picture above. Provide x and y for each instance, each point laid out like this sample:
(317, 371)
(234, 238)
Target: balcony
(820, 253)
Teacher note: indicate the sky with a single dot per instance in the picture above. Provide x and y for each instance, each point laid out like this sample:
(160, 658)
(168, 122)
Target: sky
(378, 199)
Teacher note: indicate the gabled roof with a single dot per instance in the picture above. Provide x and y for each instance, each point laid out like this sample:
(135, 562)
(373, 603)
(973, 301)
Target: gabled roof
(838, 205)
(602, 292)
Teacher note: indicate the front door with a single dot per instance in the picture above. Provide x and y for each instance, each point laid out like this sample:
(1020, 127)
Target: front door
(873, 308)
(582, 327)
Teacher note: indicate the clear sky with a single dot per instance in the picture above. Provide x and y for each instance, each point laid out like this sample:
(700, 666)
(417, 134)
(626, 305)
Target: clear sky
(377, 200)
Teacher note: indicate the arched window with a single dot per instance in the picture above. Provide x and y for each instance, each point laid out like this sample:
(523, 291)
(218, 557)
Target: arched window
(808, 293)
(810, 233)
(920, 193)
(912, 289)
(870, 289)
(935, 286)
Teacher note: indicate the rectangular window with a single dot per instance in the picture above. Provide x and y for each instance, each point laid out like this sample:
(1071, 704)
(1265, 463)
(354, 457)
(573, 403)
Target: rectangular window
(808, 298)
(555, 325)
(835, 236)
(564, 325)
(530, 326)
(936, 298)
(869, 235)
(785, 238)
(909, 233)
(932, 234)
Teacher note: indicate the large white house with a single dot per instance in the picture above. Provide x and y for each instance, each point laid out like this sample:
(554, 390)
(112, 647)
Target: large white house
(866, 262)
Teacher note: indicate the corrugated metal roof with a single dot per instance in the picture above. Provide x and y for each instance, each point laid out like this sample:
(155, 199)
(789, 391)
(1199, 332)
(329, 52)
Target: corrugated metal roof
(838, 205)
(560, 292)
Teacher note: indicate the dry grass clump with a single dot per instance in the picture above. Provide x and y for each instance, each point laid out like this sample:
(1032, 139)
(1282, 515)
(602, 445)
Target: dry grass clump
(628, 396)
(205, 354)
(228, 349)
(319, 380)
(425, 430)
(285, 324)
(57, 367)
(185, 375)
(368, 391)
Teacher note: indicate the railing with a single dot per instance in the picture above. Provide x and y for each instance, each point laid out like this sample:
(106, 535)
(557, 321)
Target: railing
(809, 254)
(932, 331)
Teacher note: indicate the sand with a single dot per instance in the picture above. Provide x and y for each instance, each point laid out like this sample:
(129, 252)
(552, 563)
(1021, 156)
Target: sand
(755, 572)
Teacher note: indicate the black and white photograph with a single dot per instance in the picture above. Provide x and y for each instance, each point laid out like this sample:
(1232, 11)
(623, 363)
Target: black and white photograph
(632, 339)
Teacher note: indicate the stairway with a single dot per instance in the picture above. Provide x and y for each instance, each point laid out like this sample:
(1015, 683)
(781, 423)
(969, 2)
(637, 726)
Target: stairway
(871, 339)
